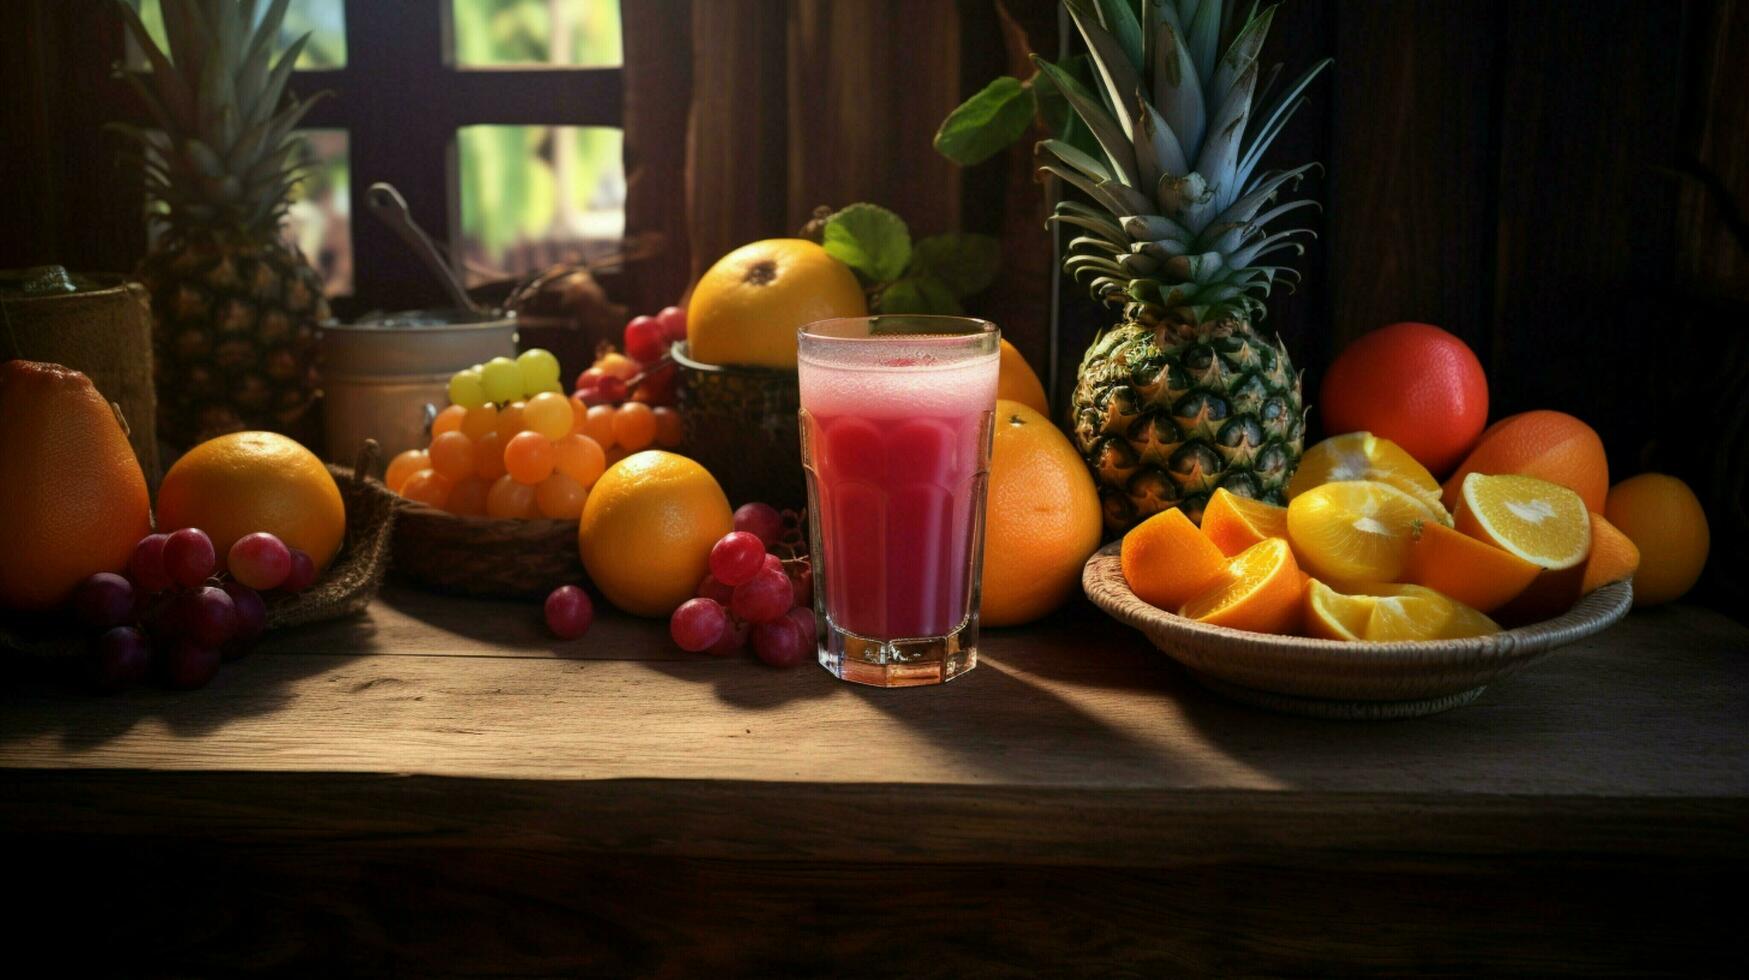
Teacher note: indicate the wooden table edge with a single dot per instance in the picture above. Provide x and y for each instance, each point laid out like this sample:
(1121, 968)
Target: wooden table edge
(877, 823)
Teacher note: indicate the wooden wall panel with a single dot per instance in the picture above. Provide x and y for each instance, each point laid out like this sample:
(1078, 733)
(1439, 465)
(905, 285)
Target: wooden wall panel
(65, 196)
(655, 156)
(869, 81)
(1586, 228)
(1303, 33)
(1002, 196)
(1412, 159)
(737, 157)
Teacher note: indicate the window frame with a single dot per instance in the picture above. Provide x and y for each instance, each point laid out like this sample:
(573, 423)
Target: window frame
(401, 98)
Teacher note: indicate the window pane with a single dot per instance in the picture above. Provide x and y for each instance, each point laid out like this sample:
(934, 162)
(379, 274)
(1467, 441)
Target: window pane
(323, 20)
(534, 195)
(581, 33)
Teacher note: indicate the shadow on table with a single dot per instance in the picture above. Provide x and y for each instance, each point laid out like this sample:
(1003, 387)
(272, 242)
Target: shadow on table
(1039, 709)
(52, 699)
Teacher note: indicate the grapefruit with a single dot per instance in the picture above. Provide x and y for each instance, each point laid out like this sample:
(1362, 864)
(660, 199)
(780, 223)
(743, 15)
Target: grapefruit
(72, 496)
(1414, 384)
(747, 308)
(1041, 522)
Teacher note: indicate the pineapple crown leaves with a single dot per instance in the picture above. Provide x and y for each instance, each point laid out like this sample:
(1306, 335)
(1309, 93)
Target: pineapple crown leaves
(1176, 158)
(225, 158)
(1158, 133)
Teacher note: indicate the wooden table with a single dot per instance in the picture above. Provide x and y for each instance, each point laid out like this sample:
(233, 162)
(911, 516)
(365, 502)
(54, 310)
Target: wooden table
(439, 786)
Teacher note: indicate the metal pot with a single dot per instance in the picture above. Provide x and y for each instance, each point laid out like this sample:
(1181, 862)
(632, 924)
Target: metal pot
(384, 376)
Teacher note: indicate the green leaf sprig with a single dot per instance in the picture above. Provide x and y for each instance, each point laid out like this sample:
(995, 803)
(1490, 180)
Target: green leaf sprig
(931, 276)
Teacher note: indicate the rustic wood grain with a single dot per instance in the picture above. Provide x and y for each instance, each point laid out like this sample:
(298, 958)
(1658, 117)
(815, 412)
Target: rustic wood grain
(658, 97)
(1586, 207)
(869, 81)
(1650, 709)
(1411, 199)
(738, 136)
(436, 787)
(513, 911)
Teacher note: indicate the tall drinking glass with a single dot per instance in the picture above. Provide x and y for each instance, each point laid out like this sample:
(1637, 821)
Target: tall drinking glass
(897, 417)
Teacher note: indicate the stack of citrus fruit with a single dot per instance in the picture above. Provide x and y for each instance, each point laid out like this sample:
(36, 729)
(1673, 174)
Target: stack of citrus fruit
(1366, 550)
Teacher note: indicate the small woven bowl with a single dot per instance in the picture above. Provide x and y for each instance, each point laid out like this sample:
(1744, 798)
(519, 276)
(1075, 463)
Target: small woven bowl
(741, 423)
(353, 578)
(485, 556)
(1347, 680)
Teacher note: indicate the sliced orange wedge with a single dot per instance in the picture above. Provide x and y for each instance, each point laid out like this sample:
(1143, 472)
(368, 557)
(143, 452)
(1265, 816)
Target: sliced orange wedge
(1259, 590)
(1235, 523)
(1354, 531)
(1543, 523)
(1364, 456)
(1390, 613)
(1469, 570)
(1166, 560)
(1613, 555)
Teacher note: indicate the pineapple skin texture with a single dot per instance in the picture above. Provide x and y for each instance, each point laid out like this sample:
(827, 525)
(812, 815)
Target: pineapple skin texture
(1165, 414)
(234, 336)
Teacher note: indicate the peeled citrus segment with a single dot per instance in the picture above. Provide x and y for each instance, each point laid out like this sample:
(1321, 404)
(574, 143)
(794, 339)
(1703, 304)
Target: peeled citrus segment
(1543, 523)
(1364, 456)
(1335, 615)
(1467, 569)
(1235, 523)
(1389, 613)
(1353, 532)
(1259, 590)
(1166, 560)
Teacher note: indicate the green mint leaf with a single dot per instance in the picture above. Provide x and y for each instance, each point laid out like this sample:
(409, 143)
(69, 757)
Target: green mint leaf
(869, 239)
(965, 264)
(986, 123)
(921, 293)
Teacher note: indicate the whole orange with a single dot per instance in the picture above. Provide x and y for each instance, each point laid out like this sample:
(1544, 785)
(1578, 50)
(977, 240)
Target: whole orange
(747, 307)
(1414, 384)
(1016, 381)
(647, 530)
(1552, 446)
(245, 482)
(1042, 519)
(72, 497)
(1664, 519)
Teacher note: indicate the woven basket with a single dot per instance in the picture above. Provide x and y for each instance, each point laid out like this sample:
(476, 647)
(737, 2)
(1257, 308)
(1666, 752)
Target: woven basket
(355, 575)
(105, 331)
(1349, 680)
(346, 587)
(484, 556)
(742, 424)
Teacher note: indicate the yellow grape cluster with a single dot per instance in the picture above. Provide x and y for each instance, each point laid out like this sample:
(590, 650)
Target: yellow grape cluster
(528, 459)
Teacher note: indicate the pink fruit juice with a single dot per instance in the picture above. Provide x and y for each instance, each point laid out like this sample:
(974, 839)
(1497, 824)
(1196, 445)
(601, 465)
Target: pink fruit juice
(896, 437)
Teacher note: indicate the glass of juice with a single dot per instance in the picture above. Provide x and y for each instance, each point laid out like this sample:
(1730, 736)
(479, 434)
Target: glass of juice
(897, 417)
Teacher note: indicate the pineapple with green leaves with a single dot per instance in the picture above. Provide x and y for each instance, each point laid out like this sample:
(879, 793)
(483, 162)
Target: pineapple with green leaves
(1181, 395)
(235, 308)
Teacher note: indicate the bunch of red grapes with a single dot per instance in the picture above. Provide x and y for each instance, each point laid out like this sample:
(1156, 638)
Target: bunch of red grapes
(645, 372)
(174, 613)
(750, 595)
